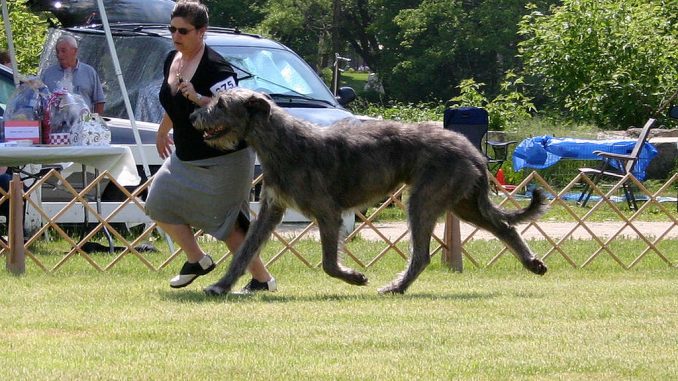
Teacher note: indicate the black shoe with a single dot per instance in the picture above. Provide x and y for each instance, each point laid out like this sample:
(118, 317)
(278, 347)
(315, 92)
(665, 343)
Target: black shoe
(254, 286)
(190, 271)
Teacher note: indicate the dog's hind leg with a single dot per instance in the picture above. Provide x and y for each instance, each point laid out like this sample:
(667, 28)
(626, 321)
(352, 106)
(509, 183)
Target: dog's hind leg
(518, 245)
(329, 237)
(269, 217)
(505, 232)
(422, 210)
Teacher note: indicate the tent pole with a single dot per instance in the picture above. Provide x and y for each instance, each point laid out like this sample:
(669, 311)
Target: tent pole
(123, 88)
(10, 42)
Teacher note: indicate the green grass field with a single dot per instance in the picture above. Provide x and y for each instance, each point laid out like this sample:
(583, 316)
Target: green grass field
(354, 79)
(601, 323)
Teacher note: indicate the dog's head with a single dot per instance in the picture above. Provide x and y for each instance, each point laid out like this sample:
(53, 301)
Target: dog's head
(230, 116)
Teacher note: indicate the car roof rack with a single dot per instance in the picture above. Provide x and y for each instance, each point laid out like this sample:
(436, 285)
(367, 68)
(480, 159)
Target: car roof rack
(147, 29)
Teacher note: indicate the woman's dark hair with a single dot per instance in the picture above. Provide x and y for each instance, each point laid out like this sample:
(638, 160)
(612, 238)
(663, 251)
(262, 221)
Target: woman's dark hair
(193, 11)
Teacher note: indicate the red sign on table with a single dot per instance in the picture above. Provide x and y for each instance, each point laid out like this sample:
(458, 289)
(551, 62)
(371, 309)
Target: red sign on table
(22, 130)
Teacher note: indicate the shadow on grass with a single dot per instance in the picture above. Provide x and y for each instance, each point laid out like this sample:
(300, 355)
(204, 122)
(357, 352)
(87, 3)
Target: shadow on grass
(198, 296)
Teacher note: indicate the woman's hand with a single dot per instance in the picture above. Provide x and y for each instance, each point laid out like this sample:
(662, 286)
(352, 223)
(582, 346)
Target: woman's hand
(188, 91)
(163, 141)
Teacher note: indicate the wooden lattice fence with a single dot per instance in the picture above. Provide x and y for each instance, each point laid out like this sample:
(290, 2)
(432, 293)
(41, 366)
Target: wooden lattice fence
(606, 238)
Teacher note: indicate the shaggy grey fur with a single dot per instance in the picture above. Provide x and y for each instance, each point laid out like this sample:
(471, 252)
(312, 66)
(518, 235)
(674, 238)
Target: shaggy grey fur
(324, 171)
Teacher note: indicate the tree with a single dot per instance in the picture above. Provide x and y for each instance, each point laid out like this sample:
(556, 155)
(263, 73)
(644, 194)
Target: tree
(308, 32)
(432, 45)
(235, 13)
(607, 61)
(364, 25)
(427, 45)
(28, 31)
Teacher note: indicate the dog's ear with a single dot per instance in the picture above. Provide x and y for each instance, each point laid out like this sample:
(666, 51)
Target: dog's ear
(257, 104)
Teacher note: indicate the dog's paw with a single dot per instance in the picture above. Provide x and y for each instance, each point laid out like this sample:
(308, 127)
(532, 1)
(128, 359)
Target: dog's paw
(214, 290)
(351, 277)
(391, 289)
(536, 266)
(359, 279)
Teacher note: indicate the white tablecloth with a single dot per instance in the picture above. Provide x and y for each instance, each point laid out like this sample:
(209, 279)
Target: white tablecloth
(115, 159)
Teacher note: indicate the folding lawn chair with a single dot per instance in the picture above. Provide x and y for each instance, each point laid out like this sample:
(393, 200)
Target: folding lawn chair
(625, 165)
(473, 123)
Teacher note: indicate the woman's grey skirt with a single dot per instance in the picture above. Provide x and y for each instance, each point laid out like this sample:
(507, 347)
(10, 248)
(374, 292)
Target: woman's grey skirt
(206, 194)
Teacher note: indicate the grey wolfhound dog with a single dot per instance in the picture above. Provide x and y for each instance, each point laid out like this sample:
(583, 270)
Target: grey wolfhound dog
(324, 171)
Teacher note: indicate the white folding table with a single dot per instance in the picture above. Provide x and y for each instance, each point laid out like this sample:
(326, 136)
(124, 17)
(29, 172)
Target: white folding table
(116, 159)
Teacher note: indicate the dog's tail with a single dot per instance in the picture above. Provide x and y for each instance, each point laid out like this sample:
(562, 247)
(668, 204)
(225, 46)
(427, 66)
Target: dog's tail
(533, 211)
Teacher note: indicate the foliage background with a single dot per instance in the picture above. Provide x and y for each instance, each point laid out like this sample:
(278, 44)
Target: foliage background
(608, 61)
(28, 32)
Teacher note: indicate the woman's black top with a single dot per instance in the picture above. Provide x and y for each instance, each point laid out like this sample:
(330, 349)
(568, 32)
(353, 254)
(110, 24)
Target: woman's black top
(211, 70)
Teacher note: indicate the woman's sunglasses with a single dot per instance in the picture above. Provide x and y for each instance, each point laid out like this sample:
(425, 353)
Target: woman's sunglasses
(182, 31)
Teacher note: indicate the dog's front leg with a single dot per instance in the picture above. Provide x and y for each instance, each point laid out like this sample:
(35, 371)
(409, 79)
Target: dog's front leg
(329, 237)
(270, 215)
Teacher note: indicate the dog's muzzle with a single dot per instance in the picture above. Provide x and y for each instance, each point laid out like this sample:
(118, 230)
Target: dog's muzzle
(214, 133)
(208, 132)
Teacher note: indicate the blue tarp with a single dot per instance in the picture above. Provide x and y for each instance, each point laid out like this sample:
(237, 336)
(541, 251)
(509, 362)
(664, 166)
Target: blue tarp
(543, 151)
